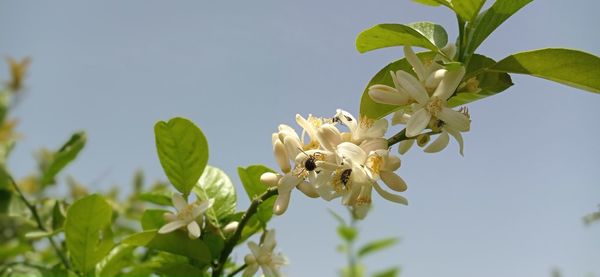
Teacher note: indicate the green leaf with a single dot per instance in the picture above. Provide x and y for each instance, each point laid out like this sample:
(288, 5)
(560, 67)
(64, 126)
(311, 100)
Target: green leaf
(391, 272)
(118, 259)
(215, 184)
(376, 246)
(421, 34)
(5, 197)
(159, 194)
(34, 235)
(490, 83)
(182, 151)
(250, 177)
(173, 265)
(337, 217)
(87, 232)
(433, 3)
(467, 9)
(566, 66)
(66, 154)
(374, 110)
(214, 242)
(176, 242)
(490, 19)
(153, 219)
(58, 215)
(347, 233)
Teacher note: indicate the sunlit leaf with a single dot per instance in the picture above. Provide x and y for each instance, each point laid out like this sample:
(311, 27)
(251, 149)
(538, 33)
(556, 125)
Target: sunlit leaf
(153, 219)
(176, 242)
(87, 232)
(421, 34)
(391, 272)
(182, 151)
(119, 257)
(347, 233)
(250, 177)
(61, 158)
(566, 66)
(467, 9)
(215, 184)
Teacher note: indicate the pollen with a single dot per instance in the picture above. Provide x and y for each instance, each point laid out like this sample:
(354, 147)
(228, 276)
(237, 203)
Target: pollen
(186, 213)
(374, 162)
(435, 105)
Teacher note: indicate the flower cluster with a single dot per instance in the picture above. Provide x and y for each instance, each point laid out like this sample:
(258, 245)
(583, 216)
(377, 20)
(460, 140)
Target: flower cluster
(422, 101)
(330, 163)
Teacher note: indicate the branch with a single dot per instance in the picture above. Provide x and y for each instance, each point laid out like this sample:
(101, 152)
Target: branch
(38, 220)
(238, 270)
(233, 240)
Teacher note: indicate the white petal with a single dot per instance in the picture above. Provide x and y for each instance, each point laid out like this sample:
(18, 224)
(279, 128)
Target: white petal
(351, 152)
(250, 270)
(327, 192)
(193, 230)
(254, 248)
(281, 204)
(281, 156)
(292, 146)
(378, 129)
(449, 84)
(374, 145)
(347, 119)
(454, 119)
(267, 271)
(388, 95)
(400, 117)
(439, 144)
(361, 211)
(449, 50)
(178, 201)
(307, 126)
(329, 136)
(202, 207)
(287, 183)
(308, 189)
(392, 163)
(269, 242)
(412, 86)
(270, 179)
(393, 181)
(171, 226)
(415, 62)
(170, 217)
(458, 137)
(418, 122)
(390, 196)
(434, 79)
(405, 145)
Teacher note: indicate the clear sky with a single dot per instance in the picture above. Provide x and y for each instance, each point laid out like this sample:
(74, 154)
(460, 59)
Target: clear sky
(512, 206)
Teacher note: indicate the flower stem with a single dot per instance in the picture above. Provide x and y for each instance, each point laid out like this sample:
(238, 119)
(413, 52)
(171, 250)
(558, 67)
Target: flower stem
(233, 240)
(238, 270)
(401, 136)
(38, 220)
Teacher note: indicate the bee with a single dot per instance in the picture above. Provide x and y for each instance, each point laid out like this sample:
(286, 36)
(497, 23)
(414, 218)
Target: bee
(309, 164)
(345, 177)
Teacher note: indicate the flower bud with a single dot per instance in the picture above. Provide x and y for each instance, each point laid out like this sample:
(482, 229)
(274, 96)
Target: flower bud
(230, 227)
(270, 179)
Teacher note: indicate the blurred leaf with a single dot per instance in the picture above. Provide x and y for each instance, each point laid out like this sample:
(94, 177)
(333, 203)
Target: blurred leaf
(566, 66)
(347, 233)
(176, 242)
(337, 217)
(490, 83)
(250, 177)
(376, 246)
(388, 35)
(391, 272)
(357, 271)
(172, 265)
(162, 198)
(215, 184)
(87, 232)
(138, 181)
(433, 3)
(490, 19)
(58, 215)
(153, 219)
(182, 151)
(13, 248)
(34, 235)
(5, 197)
(214, 242)
(61, 158)
(119, 257)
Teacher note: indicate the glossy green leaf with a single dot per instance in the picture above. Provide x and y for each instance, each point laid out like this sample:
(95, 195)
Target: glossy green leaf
(374, 110)
(376, 246)
(61, 158)
(87, 232)
(566, 66)
(490, 19)
(182, 151)
(467, 9)
(176, 242)
(167, 264)
(215, 184)
(421, 34)
(250, 177)
(391, 272)
(119, 258)
(490, 83)
(153, 219)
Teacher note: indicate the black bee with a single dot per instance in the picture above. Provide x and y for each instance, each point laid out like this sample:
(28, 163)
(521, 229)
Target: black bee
(345, 176)
(310, 164)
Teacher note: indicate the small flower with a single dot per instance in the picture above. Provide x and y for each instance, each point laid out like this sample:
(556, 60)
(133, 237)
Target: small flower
(186, 216)
(262, 256)
(364, 128)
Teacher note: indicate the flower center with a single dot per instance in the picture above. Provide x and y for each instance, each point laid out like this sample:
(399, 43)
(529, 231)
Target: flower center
(374, 162)
(186, 213)
(341, 180)
(435, 105)
(264, 259)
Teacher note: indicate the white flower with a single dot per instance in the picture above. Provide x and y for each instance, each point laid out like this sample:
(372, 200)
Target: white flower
(262, 256)
(186, 216)
(285, 184)
(364, 128)
(434, 106)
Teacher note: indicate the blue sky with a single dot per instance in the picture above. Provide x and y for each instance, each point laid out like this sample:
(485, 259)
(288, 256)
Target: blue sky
(512, 206)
